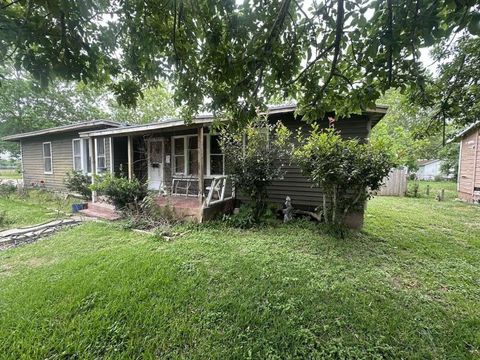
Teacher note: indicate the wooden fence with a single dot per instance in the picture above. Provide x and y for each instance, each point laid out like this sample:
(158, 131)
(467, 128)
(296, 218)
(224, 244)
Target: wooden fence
(395, 184)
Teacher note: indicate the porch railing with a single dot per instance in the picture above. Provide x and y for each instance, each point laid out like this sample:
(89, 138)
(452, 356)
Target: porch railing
(217, 186)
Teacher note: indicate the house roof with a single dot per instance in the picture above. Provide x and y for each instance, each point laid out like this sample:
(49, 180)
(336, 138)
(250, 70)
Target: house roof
(427, 162)
(464, 132)
(376, 114)
(61, 129)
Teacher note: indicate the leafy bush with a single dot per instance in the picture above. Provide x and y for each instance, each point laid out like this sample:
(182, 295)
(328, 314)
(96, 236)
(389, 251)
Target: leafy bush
(4, 220)
(120, 190)
(254, 163)
(79, 183)
(7, 189)
(347, 171)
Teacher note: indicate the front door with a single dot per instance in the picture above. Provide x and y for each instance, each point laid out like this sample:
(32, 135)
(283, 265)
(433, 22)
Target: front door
(155, 164)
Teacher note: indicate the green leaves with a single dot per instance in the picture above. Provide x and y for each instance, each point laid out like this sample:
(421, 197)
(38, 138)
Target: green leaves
(230, 57)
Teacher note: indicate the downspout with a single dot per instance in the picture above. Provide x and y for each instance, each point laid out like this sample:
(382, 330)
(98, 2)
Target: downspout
(459, 175)
(475, 164)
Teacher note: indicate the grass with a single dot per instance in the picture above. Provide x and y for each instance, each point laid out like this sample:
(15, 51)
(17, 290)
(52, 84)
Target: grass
(34, 208)
(434, 188)
(10, 174)
(406, 287)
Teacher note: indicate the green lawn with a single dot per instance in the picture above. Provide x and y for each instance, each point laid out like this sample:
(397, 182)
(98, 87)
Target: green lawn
(34, 208)
(408, 286)
(10, 174)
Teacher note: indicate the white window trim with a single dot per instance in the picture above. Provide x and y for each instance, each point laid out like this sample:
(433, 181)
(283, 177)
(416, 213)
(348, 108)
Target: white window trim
(185, 154)
(104, 156)
(208, 155)
(81, 155)
(46, 157)
(207, 139)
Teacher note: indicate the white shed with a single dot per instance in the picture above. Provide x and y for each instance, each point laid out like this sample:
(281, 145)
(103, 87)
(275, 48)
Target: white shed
(428, 169)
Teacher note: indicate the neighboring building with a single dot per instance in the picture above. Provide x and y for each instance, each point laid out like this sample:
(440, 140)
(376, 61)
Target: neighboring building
(429, 169)
(468, 184)
(181, 160)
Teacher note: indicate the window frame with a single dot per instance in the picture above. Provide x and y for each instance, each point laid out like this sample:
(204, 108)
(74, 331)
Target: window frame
(185, 155)
(209, 157)
(47, 157)
(97, 156)
(82, 168)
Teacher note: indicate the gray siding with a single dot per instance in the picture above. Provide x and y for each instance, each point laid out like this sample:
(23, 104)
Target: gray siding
(62, 159)
(296, 185)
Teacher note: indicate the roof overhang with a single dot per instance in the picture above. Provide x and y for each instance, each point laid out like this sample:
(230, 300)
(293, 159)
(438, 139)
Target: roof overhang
(63, 129)
(464, 132)
(177, 124)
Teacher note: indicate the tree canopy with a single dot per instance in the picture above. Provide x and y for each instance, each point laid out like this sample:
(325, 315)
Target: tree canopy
(336, 55)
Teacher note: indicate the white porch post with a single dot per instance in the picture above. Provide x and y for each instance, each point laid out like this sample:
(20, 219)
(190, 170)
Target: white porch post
(130, 157)
(93, 166)
(200, 164)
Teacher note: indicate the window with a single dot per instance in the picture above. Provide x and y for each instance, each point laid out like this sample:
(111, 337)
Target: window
(101, 162)
(47, 158)
(77, 155)
(81, 155)
(217, 159)
(185, 155)
(179, 155)
(192, 168)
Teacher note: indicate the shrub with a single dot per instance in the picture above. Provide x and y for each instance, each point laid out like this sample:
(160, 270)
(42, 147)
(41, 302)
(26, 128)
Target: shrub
(4, 220)
(253, 164)
(7, 189)
(148, 215)
(79, 183)
(120, 190)
(347, 171)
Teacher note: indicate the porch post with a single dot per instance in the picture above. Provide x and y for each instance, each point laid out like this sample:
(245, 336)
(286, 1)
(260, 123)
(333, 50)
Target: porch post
(93, 167)
(130, 157)
(200, 165)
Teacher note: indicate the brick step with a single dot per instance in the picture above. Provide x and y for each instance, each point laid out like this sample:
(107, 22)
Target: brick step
(100, 211)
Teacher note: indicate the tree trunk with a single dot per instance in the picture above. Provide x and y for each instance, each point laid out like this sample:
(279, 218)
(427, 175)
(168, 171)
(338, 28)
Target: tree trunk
(334, 204)
(325, 213)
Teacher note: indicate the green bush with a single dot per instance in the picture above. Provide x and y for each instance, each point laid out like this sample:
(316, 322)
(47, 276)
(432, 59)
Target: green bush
(120, 190)
(347, 171)
(4, 220)
(79, 183)
(7, 189)
(255, 157)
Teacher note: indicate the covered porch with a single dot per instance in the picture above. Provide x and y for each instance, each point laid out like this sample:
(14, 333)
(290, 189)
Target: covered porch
(182, 163)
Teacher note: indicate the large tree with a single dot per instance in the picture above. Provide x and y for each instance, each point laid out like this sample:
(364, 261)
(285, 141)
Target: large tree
(337, 55)
(24, 107)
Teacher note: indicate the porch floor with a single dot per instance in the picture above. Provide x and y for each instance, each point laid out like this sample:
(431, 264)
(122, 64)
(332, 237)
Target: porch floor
(185, 207)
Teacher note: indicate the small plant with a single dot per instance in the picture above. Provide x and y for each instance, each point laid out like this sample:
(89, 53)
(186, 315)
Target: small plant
(147, 215)
(120, 190)
(79, 183)
(8, 189)
(4, 220)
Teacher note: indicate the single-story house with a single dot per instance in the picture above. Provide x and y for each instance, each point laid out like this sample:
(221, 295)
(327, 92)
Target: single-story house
(428, 169)
(468, 183)
(182, 161)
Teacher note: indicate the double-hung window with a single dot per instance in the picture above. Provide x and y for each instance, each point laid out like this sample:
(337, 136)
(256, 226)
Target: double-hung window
(214, 154)
(179, 155)
(101, 159)
(81, 155)
(77, 155)
(185, 155)
(47, 158)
